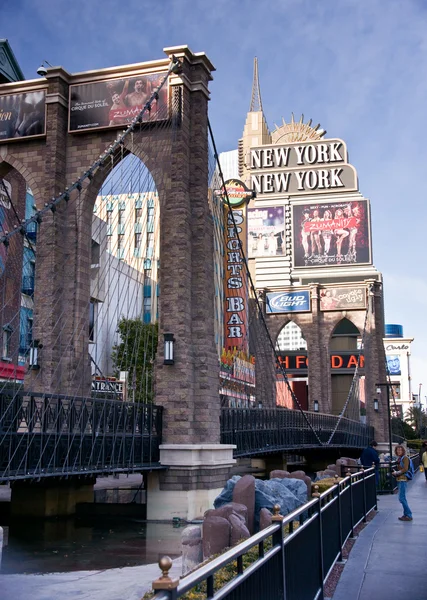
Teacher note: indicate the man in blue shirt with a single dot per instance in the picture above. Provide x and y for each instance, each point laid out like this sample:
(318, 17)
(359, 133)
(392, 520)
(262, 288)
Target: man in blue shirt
(369, 456)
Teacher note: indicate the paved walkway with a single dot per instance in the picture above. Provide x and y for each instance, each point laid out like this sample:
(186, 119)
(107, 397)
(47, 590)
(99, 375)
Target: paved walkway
(389, 559)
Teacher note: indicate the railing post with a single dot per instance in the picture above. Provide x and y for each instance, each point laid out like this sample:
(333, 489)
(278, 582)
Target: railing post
(339, 518)
(277, 518)
(165, 583)
(364, 494)
(316, 494)
(351, 505)
(375, 482)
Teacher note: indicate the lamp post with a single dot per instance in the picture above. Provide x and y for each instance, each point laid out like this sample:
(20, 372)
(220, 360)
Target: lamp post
(387, 385)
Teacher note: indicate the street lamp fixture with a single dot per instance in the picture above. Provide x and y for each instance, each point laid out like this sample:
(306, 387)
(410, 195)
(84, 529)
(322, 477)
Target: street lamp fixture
(316, 406)
(376, 405)
(169, 342)
(34, 354)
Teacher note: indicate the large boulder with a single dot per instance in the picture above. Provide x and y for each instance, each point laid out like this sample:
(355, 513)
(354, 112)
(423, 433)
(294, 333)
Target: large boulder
(239, 531)
(233, 508)
(216, 535)
(244, 493)
(192, 548)
(265, 518)
(303, 477)
(288, 493)
(278, 474)
(226, 496)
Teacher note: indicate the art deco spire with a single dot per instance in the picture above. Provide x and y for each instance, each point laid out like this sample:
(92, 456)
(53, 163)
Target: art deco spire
(256, 102)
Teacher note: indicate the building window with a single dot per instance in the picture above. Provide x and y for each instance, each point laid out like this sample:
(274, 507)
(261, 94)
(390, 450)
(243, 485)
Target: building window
(120, 246)
(150, 219)
(7, 342)
(138, 239)
(150, 245)
(109, 224)
(138, 214)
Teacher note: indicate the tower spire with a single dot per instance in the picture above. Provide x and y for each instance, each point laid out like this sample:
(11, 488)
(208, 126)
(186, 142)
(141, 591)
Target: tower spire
(256, 102)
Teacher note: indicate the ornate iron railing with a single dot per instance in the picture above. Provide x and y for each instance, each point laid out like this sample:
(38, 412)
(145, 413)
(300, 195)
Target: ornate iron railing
(291, 559)
(256, 431)
(54, 435)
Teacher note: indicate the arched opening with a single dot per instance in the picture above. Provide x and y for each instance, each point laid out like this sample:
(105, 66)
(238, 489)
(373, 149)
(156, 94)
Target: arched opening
(123, 309)
(292, 352)
(17, 276)
(344, 354)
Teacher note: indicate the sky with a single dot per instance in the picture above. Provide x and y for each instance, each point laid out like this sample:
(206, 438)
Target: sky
(357, 67)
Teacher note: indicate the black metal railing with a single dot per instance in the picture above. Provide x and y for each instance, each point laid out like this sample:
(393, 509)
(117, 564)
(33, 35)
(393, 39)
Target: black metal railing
(290, 559)
(256, 431)
(54, 435)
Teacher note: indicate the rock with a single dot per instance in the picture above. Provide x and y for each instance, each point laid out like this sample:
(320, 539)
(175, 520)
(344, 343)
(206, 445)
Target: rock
(265, 517)
(277, 474)
(239, 531)
(244, 493)
(331, 468)
(240, 510)
(226, 496)
(327, 473)
(303, 477)
(330, 472)
(216, 535)
(192, 548)
(288, 493)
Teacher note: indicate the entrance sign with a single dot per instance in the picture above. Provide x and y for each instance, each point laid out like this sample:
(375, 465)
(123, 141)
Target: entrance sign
(235, 280)
(302, 168)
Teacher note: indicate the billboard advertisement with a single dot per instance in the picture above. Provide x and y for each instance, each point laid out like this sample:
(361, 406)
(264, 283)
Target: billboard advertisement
(266, 231)
(393, 364)
(283, 302)
(116, 102)
(328, 234)
(22, 115)
(343, 298)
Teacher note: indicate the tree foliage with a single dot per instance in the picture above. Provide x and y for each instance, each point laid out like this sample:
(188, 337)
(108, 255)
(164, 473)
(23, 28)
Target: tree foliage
(136, 354)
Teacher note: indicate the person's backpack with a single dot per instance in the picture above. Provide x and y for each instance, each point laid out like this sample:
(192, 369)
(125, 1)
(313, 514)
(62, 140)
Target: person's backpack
(411, 471)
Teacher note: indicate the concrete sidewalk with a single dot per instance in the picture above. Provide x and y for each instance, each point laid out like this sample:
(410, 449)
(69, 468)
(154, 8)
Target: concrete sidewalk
(389, 558)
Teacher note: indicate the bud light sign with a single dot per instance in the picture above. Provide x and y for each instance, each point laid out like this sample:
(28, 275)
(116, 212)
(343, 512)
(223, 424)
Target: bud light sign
(284, 302)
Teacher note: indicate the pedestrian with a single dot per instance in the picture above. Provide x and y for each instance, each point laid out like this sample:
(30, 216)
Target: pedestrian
(370, 456)
(402, 481)
(423, 457)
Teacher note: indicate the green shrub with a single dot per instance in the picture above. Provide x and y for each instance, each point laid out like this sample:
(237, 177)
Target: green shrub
(325, 484)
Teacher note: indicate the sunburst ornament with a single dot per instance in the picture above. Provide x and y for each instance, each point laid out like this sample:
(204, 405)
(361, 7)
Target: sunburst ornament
(296, 131)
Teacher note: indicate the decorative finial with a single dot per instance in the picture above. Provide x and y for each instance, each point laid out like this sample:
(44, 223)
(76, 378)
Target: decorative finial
(276, 513)
(256, 102)
(316, 493)
(165, 582)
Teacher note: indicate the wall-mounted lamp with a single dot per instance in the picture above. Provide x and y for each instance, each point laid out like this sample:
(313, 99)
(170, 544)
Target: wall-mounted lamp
(376, 405)
(34, 354)
(378, 390)
(169, 358)
(42, 70)
(316, 406)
